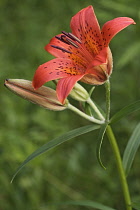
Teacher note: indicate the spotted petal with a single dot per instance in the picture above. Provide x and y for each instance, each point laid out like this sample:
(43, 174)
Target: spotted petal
(85, 26)
(54, 69)
(112, 27)
(65, 86)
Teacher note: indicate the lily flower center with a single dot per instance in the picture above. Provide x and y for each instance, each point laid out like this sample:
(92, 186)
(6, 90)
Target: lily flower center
(75, 48)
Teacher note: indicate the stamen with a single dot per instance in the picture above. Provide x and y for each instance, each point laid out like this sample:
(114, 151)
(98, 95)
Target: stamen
(62, 49)
(61, 39)
(68, 41)
(71, 36)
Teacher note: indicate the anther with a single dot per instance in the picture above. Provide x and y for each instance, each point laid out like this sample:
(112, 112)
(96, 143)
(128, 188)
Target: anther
(71, 36)
(62, 49)
(59, 38)
(68, 41)
(62, 39)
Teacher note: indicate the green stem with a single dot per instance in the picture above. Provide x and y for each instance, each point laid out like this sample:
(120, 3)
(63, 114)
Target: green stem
(116, 151)
(107, 86)
(91, 103)
(121, 172)
(82, 114)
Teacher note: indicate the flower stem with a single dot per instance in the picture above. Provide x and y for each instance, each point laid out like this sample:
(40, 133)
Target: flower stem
(121, 172)
(107, 86)
(82, 114)
(116, 151)
(91, 103)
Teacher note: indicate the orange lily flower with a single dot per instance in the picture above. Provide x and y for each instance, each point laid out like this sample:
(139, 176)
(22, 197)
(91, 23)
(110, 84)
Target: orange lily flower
(82, 55)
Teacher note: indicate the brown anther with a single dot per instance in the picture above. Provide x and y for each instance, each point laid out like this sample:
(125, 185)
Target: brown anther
(61, 39)
(68, 41)
(71, 36)
(62, 49)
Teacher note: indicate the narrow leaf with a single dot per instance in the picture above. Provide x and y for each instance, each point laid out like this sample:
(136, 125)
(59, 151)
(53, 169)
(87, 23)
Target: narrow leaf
(126, 111)
(100, 141)
(58, 140)
(91, 91)
(131, 149)
(87, 203)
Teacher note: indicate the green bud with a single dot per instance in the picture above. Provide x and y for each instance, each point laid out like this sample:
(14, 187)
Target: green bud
(79, 93)
(44, 96)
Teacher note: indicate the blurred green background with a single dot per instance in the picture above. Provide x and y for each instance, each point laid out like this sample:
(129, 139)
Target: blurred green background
(70, 171)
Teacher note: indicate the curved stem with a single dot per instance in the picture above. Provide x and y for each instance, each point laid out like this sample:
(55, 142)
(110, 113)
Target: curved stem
(121, 172)
(82, 114)
(91, 103)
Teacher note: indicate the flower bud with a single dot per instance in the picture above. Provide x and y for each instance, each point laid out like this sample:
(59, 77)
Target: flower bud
(44, 96)
(79, 93)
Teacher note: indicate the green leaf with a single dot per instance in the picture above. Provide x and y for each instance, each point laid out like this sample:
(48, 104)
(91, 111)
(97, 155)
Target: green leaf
(91, 91)
(58, 140)
(126, 111)
(87, 203)
(131, 149)
(100, 141)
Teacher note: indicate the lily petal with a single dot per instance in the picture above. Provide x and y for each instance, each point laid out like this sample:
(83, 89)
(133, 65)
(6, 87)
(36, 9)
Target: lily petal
(101, 58)
(112, 27)
(55, 69)
(98, 70)
(85, 26)
(65, 86)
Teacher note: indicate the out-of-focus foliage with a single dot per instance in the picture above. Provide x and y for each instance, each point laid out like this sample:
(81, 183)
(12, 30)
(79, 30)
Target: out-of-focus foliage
(71, 171)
